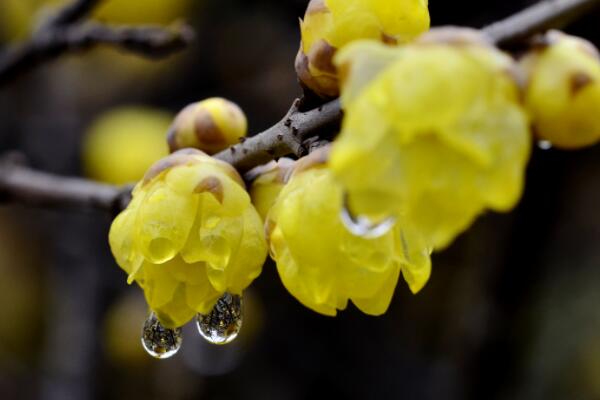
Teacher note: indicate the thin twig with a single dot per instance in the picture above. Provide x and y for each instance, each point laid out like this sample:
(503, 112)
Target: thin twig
(68, 31)
(285, 137)
(279, 140)
(20, 184)
(152, 42)
(292, 135)
(549, 14)
(71, 13)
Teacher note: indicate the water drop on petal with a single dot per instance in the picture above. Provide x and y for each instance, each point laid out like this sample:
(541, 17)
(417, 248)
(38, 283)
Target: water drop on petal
(363, 226)
(544, 144)
(223, 323)
(158, 341)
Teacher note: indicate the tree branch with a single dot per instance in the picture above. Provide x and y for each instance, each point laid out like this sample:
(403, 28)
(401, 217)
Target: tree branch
(288, 136)
(71, 13)
(292, 135)
(19, 183)
(64, 33)
(549, 14)
(280, 140)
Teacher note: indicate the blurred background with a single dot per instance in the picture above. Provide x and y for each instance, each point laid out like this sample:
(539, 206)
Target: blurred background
(512, 310)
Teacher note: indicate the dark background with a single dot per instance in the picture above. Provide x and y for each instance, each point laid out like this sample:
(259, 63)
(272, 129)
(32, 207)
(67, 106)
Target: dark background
(511, 310)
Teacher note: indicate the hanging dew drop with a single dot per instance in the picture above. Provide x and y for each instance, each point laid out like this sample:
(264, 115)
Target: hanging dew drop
(158, 341)
(223, 323)
(363, 226)
(544, 144)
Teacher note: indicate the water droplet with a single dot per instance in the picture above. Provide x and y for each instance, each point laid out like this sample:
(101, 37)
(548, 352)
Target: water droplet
(544, 144)
(161, 250)
(223, 323)
(158, 341)
(363, 226)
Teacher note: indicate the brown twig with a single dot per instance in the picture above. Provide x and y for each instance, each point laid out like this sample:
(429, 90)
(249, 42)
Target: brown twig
(71, 13)
(288, 136)
(279, 141)
(549, 14)
(19, 183)
(292, 135)
(65, 33)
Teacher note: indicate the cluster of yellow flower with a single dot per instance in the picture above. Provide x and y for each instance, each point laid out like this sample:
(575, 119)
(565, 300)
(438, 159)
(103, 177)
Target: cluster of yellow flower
(436, 131)
(444, 141)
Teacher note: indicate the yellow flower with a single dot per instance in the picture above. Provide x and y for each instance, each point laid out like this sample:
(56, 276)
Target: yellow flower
(210, 125)
(123, 143)
(189, 235)
(563, 90)
(321, 263)
(267, 182)
(329, 25)
(433, 133)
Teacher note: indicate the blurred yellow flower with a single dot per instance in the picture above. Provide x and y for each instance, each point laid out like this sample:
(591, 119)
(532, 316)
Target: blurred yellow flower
(123, 143)
(433, 133)
(121, 330)
(209, 125)
(563, 90)
(141, 11)
(321, 263)
(19, 17)
(329, 25)
(189, 235)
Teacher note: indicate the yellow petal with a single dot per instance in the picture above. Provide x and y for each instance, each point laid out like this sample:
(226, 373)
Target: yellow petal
(164, 220)
(378, 304)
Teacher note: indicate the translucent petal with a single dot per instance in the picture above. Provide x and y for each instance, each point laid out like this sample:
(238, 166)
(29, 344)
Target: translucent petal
(188, 273)
(122, 244)
(378, 304)
(359, 63)
(164, 220)
(202, 296)
(175, 313)
(246, 261)
(416, 264)
(159, 284)
(298, 284)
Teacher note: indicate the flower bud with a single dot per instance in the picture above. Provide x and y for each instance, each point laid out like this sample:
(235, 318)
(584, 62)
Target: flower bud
(210, 125)
(562, 92)
(329, 25)
(437, 161)
(267, 182)
(189, 235)
(323, 264)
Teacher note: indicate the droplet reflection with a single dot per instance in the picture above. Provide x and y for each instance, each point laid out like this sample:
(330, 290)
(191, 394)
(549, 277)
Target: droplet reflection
(158, 341)
(363, 226)
(223, 323)
(544, 144)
